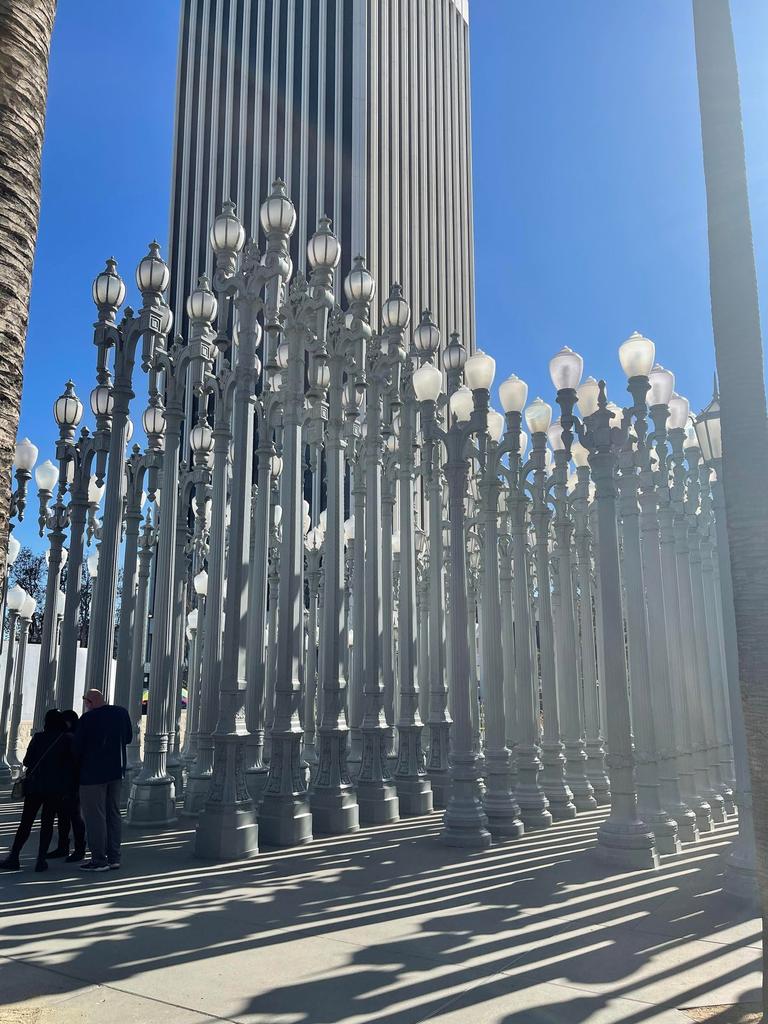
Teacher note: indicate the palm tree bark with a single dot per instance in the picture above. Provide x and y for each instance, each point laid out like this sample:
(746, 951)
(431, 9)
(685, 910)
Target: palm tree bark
(739, 355)
(25, 40)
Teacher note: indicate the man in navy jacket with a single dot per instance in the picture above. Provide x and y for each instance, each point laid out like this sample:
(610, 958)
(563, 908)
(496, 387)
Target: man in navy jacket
(103, 733)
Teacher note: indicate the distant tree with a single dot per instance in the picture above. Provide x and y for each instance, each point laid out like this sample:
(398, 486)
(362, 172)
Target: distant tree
(30, 572)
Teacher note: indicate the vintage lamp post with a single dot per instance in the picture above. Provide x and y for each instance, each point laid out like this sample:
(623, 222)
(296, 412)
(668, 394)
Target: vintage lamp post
(466, 823)
(623, 838)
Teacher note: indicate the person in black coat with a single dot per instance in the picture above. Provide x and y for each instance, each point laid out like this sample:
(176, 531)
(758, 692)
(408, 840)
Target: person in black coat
(70, 815)
(51, 774)
(103, 733)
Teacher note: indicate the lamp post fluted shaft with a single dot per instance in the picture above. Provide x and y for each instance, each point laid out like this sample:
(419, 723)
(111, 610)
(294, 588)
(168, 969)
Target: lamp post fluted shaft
(439, 721)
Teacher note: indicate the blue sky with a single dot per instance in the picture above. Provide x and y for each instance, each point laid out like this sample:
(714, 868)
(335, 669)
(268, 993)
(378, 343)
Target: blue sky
(589, 190)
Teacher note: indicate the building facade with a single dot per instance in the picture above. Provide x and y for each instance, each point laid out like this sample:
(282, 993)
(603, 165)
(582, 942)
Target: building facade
(362, 107)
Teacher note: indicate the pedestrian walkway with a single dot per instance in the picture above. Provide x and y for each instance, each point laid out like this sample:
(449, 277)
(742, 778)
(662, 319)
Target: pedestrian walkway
(386, 926)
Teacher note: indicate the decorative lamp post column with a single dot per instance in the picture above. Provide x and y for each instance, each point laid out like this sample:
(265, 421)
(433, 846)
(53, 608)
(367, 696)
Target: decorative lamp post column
(55, 520)
(741, 865)
(285, 818)
(136, 467)
(538, 417)
(637, 355)
(152, 278)
(529, 793)
(414, 789)
(332, 799)
(376, 794)
(152, 798)
(147, 542)
(15, 751)
(594, 745)
(623, 838)
(466, 823)
(355, 704)
(499, 801)
(14, 602)
(695, 515)
(189, 753)
(678, 418)
(391, 449)
(227, 827)
(566, 371)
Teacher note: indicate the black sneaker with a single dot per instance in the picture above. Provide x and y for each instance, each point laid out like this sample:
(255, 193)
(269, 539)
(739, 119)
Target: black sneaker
(60, 851)
(76, 857)
(10, 864)
(93, 866)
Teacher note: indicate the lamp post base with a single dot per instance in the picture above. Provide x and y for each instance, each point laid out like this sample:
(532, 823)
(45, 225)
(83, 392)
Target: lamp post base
(415, 796)
(741, 872)
(703, 812)
(285, 820)
(196, 793)
(465, 822)
(440, 781)
(665, 832)
(227, 832)
(627, 844)
(256, 781)
(378, 803)
(686, 824)
(152, 802)
(334, 813)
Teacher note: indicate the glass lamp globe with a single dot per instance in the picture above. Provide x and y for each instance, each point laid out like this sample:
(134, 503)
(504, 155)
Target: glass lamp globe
(679, 411)
(709, 431)
(192, 619)
(690, 440)
(359, 285)
(14, 547)
(320, 374)
(427, 383)
(25, 455)
(46, 476)
(479, 371)
(201, 303)
(95, 491)
(324, 248)
(109, 288)
(513, 394)
(93, 564)
(538, 416)
(102, 400)
(426, 337)
(166, 320)
(227, 233)
(153, 420)
(587, 395)
(462, 403)
(152, 274)
(662, 386)
(523, 443)
(15, 598)
(200, 583)
(28, 607)
(395, 313)
(128, 430)
(278, 514)
(636, 355)
(555, 436)
(277, 212)
(579, 453)
(455, 355)
(495, 425)
(396, 543)
(201, 437)
(275, 466)
(281, 355)
(60, 601)
(617, 413)
(566, 368)
(68, 409)
(349, 530)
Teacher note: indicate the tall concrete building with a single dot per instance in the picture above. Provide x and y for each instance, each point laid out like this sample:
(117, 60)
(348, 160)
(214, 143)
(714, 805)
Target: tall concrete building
(362, 107)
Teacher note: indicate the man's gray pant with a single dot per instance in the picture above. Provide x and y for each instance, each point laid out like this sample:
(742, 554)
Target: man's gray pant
(103, 824)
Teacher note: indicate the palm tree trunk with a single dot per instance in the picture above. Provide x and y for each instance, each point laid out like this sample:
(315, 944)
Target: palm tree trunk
(25, 39)
(738, 350)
